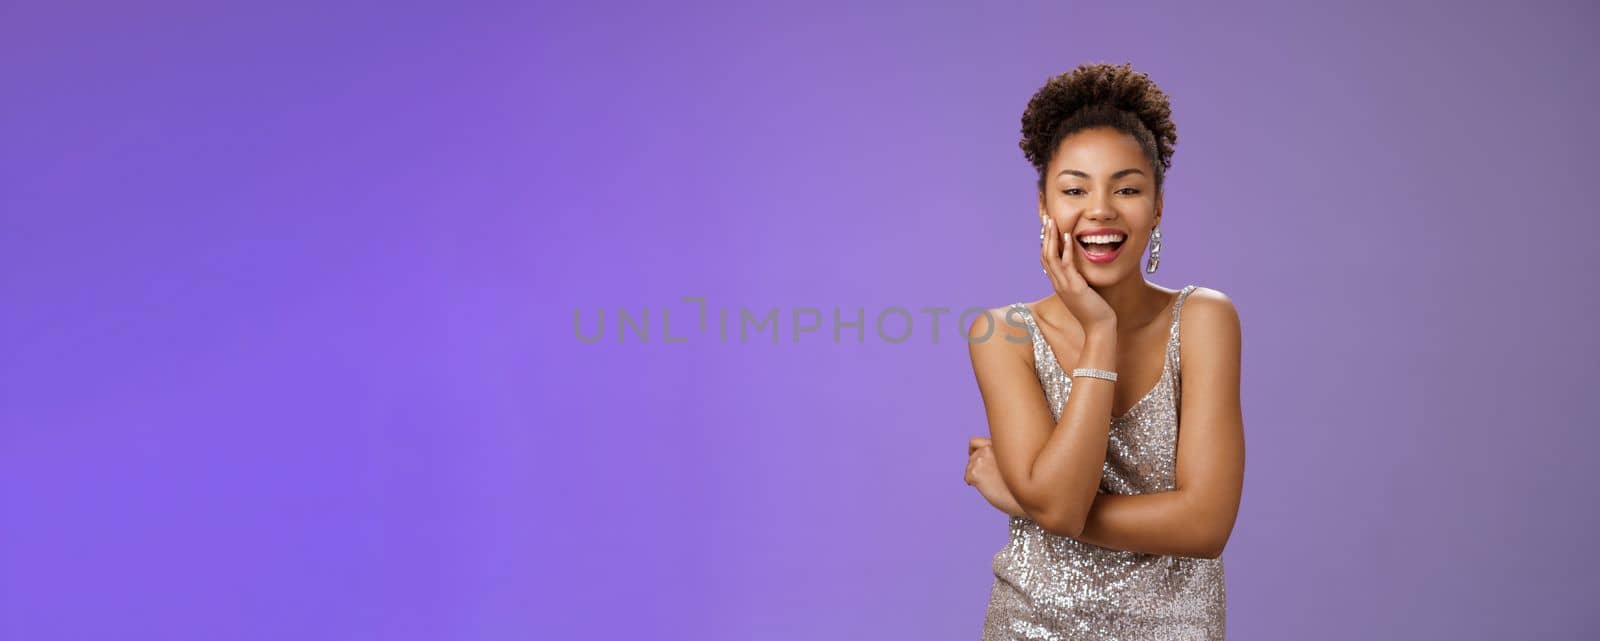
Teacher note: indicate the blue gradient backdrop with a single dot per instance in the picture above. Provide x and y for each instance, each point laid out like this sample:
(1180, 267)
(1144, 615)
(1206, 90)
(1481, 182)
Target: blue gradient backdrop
(289, 295)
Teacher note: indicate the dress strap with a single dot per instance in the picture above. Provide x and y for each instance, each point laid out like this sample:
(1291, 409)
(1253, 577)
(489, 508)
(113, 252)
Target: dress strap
(1173, 332)
(1021, 309)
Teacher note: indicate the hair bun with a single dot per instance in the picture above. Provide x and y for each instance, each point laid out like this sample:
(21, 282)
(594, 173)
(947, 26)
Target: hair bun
(1099, 94)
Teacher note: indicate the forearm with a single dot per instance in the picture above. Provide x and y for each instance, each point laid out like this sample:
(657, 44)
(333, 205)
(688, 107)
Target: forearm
(1065, 475)
(1003, 500)
(1161, 523)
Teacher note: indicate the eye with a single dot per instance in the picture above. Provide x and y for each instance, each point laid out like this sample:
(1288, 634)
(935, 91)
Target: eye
(1072, 191)
(1128, 190)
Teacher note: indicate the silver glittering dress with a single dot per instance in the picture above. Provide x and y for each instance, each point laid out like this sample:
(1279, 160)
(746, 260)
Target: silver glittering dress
(1049, 586)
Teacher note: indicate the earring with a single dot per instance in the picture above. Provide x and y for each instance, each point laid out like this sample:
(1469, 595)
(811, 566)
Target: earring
(1155, 251)
(1041, 243)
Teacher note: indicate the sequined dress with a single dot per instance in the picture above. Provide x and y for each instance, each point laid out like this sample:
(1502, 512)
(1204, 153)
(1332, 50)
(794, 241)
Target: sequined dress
(1054, 587)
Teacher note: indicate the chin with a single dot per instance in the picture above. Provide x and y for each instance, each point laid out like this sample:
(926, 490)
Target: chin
(1104, 275)
(1124, 266)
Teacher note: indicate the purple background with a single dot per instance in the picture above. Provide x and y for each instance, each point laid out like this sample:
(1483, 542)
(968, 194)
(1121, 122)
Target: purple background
(289, 293)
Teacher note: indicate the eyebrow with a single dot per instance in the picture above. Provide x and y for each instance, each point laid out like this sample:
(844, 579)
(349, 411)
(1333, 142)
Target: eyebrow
(1119, 174)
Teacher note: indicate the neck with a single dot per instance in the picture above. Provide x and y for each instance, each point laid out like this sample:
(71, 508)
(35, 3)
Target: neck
(1134, 300)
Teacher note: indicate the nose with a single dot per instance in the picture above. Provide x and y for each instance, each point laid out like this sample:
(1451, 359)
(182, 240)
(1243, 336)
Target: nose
(1099, 211)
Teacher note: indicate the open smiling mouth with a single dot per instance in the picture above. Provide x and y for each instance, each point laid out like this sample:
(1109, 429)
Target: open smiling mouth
(1102, 246)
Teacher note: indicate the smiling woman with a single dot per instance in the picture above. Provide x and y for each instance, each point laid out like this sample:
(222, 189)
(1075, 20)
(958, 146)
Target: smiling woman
(1117, 518)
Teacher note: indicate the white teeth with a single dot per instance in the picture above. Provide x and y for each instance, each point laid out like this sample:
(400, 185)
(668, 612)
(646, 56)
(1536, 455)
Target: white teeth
(1102, 238)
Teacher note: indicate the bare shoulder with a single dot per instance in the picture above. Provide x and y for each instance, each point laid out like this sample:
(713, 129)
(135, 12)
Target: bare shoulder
(999, 330)
(1208, 303)
(1210, 318)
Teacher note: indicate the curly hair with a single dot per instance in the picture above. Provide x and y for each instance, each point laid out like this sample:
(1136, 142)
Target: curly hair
(1099, 95)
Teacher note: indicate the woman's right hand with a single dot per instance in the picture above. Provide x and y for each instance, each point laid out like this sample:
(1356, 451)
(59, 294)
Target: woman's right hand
(983, 474)
(1087, 306)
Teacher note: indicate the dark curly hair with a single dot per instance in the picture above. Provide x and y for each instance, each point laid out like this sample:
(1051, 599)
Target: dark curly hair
(1099, 95)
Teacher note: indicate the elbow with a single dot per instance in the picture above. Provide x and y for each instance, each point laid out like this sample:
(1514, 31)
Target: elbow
(1211, 547)
(1060, 520)
(1069, 530)
(1064, 522)
(1213, 527)
(1062, 516)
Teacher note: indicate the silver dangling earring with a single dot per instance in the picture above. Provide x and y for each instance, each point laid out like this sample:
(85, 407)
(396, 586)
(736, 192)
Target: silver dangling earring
(1041, 243)
(1155, 251)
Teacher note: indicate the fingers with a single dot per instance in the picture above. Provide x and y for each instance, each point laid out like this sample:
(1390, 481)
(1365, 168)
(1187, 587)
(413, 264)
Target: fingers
(1064, 238)
(1069, 265)
(978, 448)
(1044, 248)
(1061, 255)
(974, 463)
(1069, 251)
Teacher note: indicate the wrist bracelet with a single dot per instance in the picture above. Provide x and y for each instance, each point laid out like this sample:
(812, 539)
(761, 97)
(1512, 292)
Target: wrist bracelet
(1095, 373)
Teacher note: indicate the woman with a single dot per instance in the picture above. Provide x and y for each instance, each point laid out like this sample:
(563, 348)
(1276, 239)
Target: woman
(1118, 518)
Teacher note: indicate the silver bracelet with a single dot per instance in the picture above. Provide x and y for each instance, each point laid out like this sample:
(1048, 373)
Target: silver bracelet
(1096, 373)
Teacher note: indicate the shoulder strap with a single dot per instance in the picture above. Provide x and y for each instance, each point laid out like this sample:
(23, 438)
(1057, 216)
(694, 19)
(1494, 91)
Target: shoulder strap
(1173, 332)
(1027, 317)
(1034, 336)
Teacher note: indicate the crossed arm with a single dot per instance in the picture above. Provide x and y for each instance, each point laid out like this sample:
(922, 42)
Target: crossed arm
(1195, 519)
(1050, 466)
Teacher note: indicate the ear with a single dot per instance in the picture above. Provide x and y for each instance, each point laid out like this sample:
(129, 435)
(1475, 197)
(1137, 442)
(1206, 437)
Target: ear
(1042, 212)
(1159, 205)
